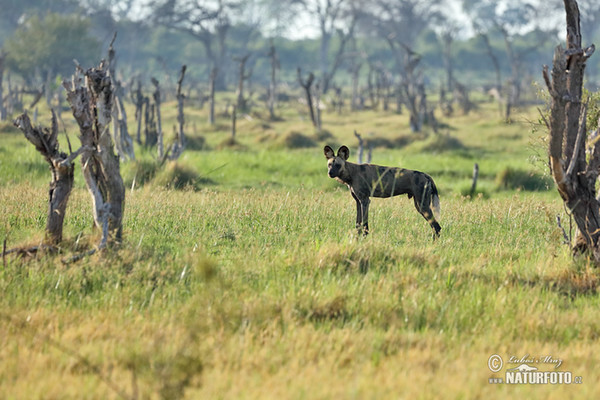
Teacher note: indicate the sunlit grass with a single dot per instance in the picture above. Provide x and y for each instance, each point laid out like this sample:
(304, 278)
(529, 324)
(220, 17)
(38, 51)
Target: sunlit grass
(253, 283)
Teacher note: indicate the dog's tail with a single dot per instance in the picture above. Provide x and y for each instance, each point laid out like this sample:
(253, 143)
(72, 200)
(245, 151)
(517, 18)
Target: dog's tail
(435, 198)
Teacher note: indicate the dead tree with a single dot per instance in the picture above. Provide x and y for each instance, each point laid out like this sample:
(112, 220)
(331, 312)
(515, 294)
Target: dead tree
(233, 122)
(61, 166)
(138, 100)
(461, 95)
(317, 96)
(307, 88)
(159, 133)
(150, 133)
(474, 181)
(273, 82)
(490, 52)
(90, 95)
(211, 99)
(361, 146)
(242, 77)
(355, 72)
(2, 107)
(575, 174)
(179, 145)
(123, 142)
(37, 96)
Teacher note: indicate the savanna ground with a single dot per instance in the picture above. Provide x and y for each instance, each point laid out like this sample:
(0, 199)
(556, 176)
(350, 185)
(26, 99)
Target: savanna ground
(250, 282)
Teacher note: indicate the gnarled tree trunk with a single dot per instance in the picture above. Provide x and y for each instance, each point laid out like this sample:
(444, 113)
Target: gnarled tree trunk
(159, 131)
(575, 176)
(179, 144)
(2, 107)
(90, 95)
(61, 166)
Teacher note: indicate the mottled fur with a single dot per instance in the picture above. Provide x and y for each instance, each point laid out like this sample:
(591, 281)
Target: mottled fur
(367, 180)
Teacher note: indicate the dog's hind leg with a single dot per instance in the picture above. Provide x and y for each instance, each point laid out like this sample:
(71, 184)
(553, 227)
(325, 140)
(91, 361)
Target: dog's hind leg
(423, 206)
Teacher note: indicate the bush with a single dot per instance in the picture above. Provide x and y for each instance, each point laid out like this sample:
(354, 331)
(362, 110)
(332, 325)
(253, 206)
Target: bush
(440, 144)
(297, 140)
(142, 171)
(177, 176)
(7, 127)
(511, 178)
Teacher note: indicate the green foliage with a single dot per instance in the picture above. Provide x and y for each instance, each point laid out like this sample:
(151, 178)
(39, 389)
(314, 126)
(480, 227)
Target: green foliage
(50, 44)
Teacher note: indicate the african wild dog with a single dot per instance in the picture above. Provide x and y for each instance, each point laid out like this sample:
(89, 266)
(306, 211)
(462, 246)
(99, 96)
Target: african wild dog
(367, 180)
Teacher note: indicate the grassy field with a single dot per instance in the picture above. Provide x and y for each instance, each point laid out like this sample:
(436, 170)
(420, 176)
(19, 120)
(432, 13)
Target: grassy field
(250, 282)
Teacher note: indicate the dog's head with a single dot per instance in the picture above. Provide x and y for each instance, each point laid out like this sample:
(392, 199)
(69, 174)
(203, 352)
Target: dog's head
(336, 164)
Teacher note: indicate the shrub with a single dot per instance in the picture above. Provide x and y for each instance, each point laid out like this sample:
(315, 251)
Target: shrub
(177, 176)
(512, 178)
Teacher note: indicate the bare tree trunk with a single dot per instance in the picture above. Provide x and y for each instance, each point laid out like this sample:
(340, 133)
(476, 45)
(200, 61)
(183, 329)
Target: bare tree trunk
(372, 87)
(62, 168)
(149, 124)
(48, 87)
(317, 96)
(355, 71)
(138, 100)
(410, 82)
(474, 181)
(361, 146)
(180, 143)
(447, 40)
(306, 85)
(273, 82)
(233, 123)
(461, 94)
(242, 76)
(575, 176)
(344, 38)
(2, 107)
(159, 132)
(123, 142)
(496, 64)
(91, 97)
(211, 83)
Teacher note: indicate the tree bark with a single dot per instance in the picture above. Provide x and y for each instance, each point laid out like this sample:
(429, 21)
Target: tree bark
(211, 84)
(149, 124)
(91, 100)
(575, 176)
(233, 123)
(273, 82)
(61, 167)
(180, 142)
(307, 85)
(138, 100)
(242, 76)
(496, 63)
(2, 107)
(123, 142)
(355, 72)
(159, 131)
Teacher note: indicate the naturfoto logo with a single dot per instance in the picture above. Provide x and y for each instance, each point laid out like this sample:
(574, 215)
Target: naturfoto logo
(527, 371)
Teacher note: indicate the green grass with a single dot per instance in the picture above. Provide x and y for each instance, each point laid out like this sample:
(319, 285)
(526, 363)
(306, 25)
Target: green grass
(252, 283)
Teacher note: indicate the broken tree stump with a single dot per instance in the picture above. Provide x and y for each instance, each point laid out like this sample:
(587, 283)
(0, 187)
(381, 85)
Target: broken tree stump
(62, 168)
(90, 95)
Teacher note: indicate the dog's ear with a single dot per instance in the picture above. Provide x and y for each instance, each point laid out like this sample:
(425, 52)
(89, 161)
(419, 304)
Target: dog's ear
(328, 151)
(344, 152)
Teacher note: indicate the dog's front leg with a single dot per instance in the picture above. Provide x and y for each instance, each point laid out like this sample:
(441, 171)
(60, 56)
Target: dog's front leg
(358, 212)
(364, 205)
